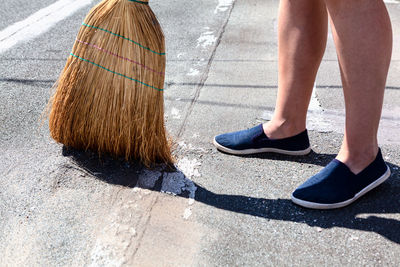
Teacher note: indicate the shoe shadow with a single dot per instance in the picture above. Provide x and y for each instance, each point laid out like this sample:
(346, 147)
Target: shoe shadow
(368, 214)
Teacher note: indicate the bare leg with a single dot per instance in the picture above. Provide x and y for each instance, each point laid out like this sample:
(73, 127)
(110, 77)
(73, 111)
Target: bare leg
(363, 39)
(302, 34)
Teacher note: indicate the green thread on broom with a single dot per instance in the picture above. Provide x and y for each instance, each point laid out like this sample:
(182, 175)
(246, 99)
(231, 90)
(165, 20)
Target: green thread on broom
(97, 65)
(97, 28)
(141, 2)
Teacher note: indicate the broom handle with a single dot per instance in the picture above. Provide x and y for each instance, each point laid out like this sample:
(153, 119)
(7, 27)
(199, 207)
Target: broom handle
(141, 2)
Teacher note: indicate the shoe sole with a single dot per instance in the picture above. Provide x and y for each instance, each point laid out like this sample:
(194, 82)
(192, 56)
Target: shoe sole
(320, 206)
(261, 150)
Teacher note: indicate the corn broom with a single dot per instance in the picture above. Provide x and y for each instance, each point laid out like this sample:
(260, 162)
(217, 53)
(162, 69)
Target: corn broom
(109, 96)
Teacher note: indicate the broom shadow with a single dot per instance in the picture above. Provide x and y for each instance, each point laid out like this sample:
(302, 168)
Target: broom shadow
(367, 214)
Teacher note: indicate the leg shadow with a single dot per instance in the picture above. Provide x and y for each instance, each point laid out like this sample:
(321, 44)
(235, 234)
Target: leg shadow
(311, 158)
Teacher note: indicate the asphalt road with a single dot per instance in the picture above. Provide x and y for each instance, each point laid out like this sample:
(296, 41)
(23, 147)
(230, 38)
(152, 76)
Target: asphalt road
(61, 207)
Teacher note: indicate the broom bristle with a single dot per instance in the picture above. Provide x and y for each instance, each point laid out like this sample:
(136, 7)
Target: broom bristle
(109, 97)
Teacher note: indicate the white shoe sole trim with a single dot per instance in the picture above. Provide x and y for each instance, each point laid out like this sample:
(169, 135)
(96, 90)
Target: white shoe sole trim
(261, 150)
(313, 205)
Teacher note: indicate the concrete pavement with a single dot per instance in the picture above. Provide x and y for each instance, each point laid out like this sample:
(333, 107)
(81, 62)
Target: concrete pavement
(63, 207)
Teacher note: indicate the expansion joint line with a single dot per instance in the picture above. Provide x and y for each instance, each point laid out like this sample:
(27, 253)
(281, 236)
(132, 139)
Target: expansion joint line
(206, 73)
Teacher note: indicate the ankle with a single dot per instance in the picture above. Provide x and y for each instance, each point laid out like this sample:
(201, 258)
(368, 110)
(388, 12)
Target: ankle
(357, 159)
(277, 129)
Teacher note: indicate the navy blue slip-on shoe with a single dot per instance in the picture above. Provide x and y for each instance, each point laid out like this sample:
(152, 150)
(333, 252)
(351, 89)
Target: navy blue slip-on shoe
(336, 186)
(254, 140)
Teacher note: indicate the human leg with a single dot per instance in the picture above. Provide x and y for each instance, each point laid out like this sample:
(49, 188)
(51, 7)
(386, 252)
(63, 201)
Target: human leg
(302, 34)
(363, 39)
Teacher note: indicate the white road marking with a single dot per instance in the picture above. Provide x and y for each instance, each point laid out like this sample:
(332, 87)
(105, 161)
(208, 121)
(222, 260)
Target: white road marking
(174, 183)
(175, 113)
(316, 118)
(193, 72)
(39, 22)
(206, 39)
(189, 167)
(315, 105)
(223, 5)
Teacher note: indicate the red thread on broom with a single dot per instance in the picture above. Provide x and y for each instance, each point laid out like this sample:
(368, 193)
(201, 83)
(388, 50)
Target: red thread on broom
(124, 58)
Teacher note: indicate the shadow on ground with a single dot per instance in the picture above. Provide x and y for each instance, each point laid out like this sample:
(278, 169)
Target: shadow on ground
(311, 158)
(368, 214)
